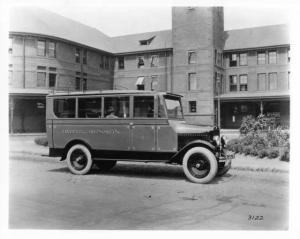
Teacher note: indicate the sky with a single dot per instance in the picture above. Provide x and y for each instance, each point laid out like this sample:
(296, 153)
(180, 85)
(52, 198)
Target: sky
(123, 19)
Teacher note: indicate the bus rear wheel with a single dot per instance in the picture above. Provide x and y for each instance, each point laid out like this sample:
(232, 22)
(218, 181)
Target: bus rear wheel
(79, 159)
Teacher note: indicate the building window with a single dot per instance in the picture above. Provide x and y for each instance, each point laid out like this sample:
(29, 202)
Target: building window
(191, 57)
(84, 81)
(84, 84)
(272, 57)
(273, 81)
(233, 83)
(41, 45)
(52, 49)
(77, 55)
(154, 83)
(140, 83)
(243, 59)
(243, 82)
(84, 56)
(233, 60)
(121, 62)
(261, 78)
(78, 81)
(41, 79)
(106, 62)
(10, 46)
(154, 61)
(192, 106)
(261, 58)
(52, 79)
(140, 62)
(192, 81)
(101, 62)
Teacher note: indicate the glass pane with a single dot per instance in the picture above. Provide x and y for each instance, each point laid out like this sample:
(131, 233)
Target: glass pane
(272, 57)
(261, 81)
(154, 61)
(143, 107)
(41, 79)
(261, 58)
(116, 107)
(41, 48)
(173, 107)
(273, 81)
(52, 80)
(243, 59)
(89, 107)
(64, 108)
(192, 57)
(161, 108)
(192, 81)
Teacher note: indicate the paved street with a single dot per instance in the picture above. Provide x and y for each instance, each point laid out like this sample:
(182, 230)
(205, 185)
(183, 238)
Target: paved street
(45, 195)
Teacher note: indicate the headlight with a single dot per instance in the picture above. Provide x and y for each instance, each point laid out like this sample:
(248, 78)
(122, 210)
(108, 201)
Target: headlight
(216, 138)
(224, 140)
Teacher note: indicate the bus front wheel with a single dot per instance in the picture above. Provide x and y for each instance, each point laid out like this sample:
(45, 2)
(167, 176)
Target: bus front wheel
(79, 159)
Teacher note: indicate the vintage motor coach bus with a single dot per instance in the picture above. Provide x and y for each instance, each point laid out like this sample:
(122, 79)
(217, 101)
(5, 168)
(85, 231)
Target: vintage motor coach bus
(104, 127)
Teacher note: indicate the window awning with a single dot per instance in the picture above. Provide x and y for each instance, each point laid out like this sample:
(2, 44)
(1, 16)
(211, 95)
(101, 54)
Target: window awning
(140, 80)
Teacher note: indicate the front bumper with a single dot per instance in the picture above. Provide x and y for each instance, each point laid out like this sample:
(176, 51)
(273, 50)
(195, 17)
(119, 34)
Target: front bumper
(226, 157)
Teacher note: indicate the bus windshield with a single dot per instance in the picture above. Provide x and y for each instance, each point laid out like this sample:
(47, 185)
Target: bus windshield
(174, 108)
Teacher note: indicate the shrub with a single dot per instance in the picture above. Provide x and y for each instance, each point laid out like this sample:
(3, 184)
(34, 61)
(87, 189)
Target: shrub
(286, 155)
(247, 150)
(41, 141)
(247, 124)
(262, 153)
(273, 153)
(254, 152)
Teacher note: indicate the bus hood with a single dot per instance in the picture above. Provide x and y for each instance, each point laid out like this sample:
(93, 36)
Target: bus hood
(181, 127)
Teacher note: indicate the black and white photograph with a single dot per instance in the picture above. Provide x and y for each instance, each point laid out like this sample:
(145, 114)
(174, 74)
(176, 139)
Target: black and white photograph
(161, 117)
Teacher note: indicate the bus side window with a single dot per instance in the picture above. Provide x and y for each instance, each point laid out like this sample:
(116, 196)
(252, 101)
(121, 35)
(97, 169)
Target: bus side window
(143, 107)
(64, 108)
(89, 107)
(116, 107)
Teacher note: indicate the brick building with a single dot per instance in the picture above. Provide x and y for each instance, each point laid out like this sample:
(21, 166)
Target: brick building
(228, 73)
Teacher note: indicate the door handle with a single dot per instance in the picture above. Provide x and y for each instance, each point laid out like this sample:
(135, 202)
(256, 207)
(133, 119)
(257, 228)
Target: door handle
(130, 123)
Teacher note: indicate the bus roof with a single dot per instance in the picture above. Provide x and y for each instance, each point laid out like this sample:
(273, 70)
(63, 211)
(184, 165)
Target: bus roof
(110, 92)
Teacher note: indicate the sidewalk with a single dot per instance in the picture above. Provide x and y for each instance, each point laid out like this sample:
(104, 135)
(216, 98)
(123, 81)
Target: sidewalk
(25, 145)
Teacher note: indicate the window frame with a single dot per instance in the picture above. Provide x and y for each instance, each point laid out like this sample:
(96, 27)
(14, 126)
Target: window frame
(154, 106)
(39, 49)
(190, 61)
(259, 59)
(77, 55)
(84, 56)
(151, 61)
(241, 63)
(258, 81)
(230, 60)
(269, 81)
(90, 97)
(121, 59)
(66, 98)
(52, 50)
(231, 84)
(189, 81)
(138, 62)
(154, 78)
(192, 108)
(41, 70)
(270, 57)
(243, 84)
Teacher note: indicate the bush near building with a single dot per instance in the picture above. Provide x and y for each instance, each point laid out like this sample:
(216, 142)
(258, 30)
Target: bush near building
(41, 141)
(261, 137)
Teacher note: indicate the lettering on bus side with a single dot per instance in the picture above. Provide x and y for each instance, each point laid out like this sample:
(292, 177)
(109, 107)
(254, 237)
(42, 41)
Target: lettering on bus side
(92, 131)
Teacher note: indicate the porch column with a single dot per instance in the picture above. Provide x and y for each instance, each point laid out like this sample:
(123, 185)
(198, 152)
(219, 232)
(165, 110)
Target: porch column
(261, 107)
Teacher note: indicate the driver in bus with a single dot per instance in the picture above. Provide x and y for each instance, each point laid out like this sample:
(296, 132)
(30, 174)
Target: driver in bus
(111, 113)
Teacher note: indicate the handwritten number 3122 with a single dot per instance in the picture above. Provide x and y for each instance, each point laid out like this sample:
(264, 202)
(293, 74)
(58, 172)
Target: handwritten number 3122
(256, 218)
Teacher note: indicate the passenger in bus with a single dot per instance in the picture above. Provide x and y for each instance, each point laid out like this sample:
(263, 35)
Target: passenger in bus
(111, 113)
